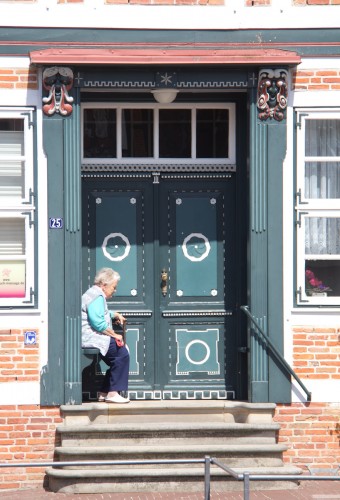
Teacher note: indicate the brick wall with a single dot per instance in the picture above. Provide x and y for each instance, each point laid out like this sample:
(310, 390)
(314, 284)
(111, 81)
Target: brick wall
(317, 79)
(18, 362)
(316, 353)
(312, 433)
(18, 78)
(27, 434)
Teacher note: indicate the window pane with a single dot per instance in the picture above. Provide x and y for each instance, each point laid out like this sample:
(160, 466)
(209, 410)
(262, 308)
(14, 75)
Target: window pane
(100, 133)
(12, 136)
(322, 235)
(212, 133)
(12, 236)
(175, 133)
(322, 138)
(11, 180)
(322, 180)
(137, 133)
(322, 278)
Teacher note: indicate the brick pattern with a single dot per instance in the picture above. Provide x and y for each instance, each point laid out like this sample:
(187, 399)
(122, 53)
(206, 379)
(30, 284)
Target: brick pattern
(312, 433)
(316, 79)
(316, 353)
(18, 78)
(254, 3)
(27, 434)
(19, 362)
(316, 2)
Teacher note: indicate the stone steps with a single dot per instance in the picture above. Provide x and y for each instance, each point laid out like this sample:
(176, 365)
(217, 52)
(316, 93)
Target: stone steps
(152, 433)
(233, 455)
(161, 479)
(240, 435)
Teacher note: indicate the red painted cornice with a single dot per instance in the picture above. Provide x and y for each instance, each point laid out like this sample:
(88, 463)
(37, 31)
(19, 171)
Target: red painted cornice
(186, 55)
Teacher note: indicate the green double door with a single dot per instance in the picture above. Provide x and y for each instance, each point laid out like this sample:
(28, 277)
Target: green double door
(172, 238)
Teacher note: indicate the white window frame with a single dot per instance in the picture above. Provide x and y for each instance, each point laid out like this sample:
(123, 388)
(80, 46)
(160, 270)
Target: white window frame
(308, 207)
(23, 208)
(231, 160)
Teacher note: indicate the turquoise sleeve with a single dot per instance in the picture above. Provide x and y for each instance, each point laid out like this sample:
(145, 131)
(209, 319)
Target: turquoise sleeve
(96, 315)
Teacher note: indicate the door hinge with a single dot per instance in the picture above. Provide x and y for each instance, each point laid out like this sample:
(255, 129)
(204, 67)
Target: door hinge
(298, 198)
(30, 218)
(298, 294)
(298, 220)
(30, 199)
(30, 120)
(298, 123)
(243, 349)
(32, 294)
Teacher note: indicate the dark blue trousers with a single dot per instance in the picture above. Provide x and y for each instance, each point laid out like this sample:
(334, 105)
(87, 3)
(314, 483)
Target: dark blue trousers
(116, 377)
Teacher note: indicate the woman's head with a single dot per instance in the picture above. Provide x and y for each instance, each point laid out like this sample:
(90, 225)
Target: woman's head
(107, 279)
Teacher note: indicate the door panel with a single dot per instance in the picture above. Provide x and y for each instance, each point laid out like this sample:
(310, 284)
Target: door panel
(173, 242)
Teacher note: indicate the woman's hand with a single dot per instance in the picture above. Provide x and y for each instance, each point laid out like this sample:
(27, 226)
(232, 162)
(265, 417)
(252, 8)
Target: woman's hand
(112, 333)
(119, 318)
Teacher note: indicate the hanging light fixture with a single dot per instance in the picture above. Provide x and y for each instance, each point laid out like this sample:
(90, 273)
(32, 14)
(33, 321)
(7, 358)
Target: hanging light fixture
(165, 96)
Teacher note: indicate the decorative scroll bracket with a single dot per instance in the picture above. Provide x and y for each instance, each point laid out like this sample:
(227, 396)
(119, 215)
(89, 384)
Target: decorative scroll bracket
(58, 81)
(272, 94)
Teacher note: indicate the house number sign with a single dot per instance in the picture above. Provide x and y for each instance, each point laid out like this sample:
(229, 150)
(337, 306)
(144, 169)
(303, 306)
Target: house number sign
(56, 222)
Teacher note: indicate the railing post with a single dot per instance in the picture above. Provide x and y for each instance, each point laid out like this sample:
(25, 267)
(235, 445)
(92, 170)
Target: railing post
(207, 478)
(246, 485)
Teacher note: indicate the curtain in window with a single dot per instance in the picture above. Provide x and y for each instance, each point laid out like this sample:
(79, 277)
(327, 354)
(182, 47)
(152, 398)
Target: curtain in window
(322, 181)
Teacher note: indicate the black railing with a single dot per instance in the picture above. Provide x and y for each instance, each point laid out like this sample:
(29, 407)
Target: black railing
(276, 353)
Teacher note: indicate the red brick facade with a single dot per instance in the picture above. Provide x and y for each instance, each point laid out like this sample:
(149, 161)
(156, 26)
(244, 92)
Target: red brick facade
(312, 433)
(18, 362)
(18, 78)
(324, 79)
(27, 434)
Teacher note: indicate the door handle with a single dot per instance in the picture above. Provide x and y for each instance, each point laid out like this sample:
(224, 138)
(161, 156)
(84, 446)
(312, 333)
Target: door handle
(164, 282)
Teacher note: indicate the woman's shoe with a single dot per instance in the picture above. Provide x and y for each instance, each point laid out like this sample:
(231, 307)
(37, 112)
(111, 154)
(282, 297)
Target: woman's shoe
(117, 399)
(102, 396)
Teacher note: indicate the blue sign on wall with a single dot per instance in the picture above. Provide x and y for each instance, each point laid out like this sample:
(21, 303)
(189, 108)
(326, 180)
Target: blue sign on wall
(56, 222)
(30, 338)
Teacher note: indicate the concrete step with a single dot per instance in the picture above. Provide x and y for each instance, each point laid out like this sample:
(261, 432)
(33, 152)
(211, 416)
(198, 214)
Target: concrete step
(161, 479)
(236, 455)
(241, 435)
(151, 433)
(168, 411)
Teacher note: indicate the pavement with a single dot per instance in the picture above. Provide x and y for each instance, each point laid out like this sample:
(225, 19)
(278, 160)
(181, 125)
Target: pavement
(307, 490)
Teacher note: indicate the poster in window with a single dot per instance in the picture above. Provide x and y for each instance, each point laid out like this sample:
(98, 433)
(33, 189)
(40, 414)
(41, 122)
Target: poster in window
(12, 279)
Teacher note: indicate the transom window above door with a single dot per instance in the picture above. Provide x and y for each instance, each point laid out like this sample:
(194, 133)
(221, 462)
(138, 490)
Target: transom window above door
(152, 132)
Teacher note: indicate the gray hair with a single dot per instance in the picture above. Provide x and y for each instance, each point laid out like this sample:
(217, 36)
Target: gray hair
(106, 276)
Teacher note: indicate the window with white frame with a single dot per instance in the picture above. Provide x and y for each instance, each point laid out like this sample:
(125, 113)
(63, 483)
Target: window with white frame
(151, 132)
(16, 207)
(318, 207)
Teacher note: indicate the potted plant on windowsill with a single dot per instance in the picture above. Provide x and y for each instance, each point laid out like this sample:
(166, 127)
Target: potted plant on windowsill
(314, 286)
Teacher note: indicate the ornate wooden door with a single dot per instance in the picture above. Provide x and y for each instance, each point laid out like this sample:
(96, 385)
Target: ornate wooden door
(172, 239)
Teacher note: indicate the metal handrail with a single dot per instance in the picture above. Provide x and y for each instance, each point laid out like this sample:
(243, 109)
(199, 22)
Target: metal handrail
(246, 477)
(278, 355)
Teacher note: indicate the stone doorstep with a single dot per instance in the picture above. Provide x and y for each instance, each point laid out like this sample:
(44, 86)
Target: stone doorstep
(152, 433)
(161, 480)
(235, 455)
(162, 411)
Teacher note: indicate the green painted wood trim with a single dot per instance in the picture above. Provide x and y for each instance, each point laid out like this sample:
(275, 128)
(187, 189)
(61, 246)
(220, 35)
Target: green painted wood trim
(280, 380)
(258, 252)
(72, 163)
(268, 142)
(36, 38)
(52, 376)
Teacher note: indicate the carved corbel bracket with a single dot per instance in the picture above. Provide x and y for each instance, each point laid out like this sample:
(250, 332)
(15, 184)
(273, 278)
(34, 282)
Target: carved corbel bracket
(58, 81)
(272, 94)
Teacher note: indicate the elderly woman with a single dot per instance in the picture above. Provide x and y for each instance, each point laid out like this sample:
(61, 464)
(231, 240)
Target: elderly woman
(97, 332)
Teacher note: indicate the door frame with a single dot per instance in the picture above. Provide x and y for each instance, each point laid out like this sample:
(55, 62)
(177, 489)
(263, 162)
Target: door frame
(61, 380)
